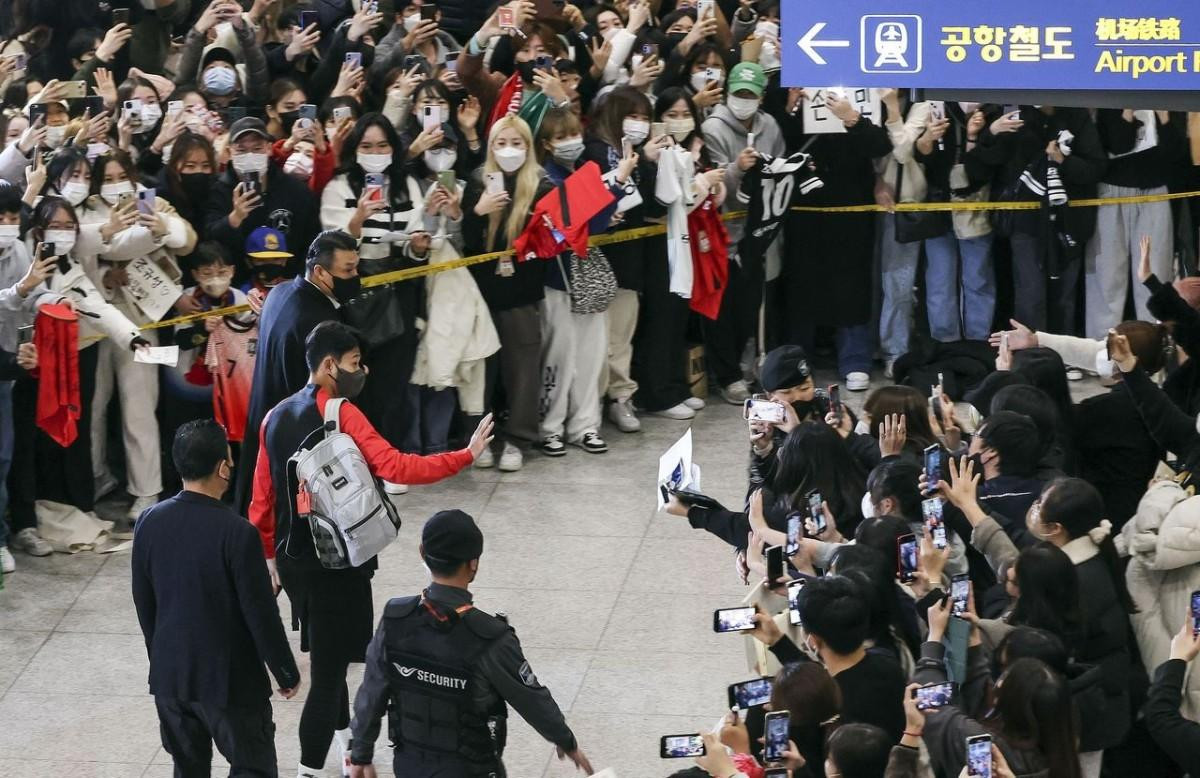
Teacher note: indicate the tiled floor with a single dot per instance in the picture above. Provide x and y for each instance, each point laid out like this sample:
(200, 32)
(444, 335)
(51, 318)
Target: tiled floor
(612, 603)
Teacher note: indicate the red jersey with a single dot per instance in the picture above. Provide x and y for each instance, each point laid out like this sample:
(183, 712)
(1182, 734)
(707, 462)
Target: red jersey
(230, 358)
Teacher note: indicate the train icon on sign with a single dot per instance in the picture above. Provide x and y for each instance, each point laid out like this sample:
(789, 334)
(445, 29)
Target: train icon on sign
(890, 43)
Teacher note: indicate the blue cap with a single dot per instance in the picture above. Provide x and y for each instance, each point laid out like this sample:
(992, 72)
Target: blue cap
(267, 243)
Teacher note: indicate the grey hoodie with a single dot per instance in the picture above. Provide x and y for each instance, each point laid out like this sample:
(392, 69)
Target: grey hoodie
(725, 137)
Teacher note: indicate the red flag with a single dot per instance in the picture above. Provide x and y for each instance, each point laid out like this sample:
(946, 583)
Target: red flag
(548, 233)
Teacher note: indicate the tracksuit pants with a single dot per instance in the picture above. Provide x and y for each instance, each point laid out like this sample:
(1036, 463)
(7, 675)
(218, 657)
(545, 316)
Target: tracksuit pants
(137, 384)
(574, 357)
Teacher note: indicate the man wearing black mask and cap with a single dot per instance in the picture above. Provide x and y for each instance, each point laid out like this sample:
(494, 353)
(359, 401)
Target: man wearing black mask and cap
(444, 671)
(787, 378)
(332, 607)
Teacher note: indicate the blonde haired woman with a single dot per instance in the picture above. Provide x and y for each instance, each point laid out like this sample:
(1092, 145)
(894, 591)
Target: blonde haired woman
(496, 208)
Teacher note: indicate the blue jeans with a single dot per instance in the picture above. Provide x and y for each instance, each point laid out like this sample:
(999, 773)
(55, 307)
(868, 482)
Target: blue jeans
(897, 272)
(854, 347)
(960, 305)
(6, 453)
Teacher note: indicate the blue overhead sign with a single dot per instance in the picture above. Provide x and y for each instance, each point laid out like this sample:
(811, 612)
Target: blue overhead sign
(1009, 44)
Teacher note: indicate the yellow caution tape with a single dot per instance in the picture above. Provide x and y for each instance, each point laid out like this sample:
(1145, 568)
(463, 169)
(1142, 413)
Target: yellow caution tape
(407, 274)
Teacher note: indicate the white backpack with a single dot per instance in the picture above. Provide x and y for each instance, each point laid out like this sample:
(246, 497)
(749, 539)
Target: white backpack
(350, 517)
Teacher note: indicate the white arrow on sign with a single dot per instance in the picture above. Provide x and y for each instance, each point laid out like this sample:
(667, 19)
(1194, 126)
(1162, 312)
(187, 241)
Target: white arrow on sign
(808, 43)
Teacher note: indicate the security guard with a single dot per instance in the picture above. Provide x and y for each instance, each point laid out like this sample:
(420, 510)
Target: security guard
(444, 670)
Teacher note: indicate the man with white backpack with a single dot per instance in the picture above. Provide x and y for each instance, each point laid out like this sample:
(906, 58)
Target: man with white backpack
(322, 517)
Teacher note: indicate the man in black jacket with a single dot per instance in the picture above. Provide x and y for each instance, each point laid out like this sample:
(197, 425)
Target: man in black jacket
(1178, 736)
(209, 617)
(291, 311)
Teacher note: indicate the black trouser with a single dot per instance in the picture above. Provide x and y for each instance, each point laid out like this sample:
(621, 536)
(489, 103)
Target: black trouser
(660, 344)
(245, 736)
(725, 339)
(424, 764)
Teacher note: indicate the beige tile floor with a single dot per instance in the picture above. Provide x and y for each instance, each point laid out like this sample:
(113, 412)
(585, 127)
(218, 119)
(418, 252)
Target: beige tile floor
(612, 603)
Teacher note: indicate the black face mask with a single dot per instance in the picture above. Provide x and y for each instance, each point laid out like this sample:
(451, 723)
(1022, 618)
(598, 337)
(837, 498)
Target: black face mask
(526, 69)
(346, 289)
(196, 186)
(350, 385)
(287, 119)
(804, 408)
(269, 273)
(673, 39)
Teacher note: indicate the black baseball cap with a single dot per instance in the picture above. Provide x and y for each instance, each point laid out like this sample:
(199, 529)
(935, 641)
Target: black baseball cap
(248, 124)
(783, 368)
(451, 537)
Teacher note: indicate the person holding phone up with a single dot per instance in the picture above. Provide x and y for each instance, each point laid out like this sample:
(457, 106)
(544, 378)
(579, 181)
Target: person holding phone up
(417, 32)
(214, 69)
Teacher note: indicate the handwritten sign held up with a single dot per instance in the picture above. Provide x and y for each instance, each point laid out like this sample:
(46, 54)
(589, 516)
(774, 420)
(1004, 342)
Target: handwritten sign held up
(152, 291)
(819, 120)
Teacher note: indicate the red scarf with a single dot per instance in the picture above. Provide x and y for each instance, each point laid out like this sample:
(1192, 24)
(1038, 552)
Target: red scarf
(56, 335)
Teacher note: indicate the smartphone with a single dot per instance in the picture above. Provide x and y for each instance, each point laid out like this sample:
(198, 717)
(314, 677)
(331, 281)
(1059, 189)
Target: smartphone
(18, 61)
(775, 564)
(931, 511)
(134, 109)
(626, 147)
(935, 403)
(253, 183)
(658, 129)
(979, 756)
(429, 13)
(374, 185)
(734, 619)
(341, 113)
(447, 180)
(794, 589)
(309, 18)
(795, 531)
(307, 111)
(775, 735)
(816, 511)
(506, 17)
(120, 16)
(835, 391)
(145, 201)
(763, 410)
(93, 105)
(48, 250)
(749, 694)
(74, 89)
(124, 199)
(495, 182)
(960, 593)
(1196, 612)
(543, 62)
(933, 468)
(431, 118)
(649, 49)
(750, 140)
(906, 558)
(704, 8)
(776, 772)
(680, 746)
(37, 111)
(934, 695)
(354, 58)
(25, 335)
(712, 75)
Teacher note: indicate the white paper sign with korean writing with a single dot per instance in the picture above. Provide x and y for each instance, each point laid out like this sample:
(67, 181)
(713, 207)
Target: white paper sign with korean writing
(819, 120)
(152, 291)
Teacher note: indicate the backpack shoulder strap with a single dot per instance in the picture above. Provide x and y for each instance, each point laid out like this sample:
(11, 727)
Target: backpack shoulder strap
(333, 414)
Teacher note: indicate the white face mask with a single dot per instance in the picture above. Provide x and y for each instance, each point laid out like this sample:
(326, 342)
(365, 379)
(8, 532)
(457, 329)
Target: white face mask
(636, 130)
(701, 78)
(74, 192)
(9, 234)
(766, 29)
(330, 131)
(742, 107)
(55, 136)
(374, 163)
(769, 57)
(215, 287)
(567, 151)
(510, 159)
(680, 128)
(110, 193)
(298, 165)
(438, 160)
(249, 163)
(63, 240)
(1105, 368)
(412, 22)
(151, 113)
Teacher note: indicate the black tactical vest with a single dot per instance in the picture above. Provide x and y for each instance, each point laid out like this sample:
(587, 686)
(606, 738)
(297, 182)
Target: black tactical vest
(431, 654)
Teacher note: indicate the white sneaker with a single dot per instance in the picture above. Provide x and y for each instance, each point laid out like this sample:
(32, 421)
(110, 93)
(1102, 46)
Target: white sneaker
(620, 413)
(677, 412)
(591, 442)
(736, 393)
(1074, 374)
(140, 504)
(7, 563)
(511, 459)
(29, 541)
(309, 772)
(858, 381)
(695, 403)
(486, 460)
(553, 446)
(391, 488)
(341, 739)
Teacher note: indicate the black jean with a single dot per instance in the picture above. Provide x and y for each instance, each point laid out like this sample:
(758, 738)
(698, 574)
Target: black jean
(245, 736)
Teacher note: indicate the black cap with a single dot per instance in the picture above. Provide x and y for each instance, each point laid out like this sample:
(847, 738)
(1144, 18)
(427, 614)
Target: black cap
(783, 368)
(215, 54)
(248, 124)
(451, 537)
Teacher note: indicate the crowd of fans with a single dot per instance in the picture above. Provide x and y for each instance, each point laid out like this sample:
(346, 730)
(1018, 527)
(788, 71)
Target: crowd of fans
(172, 157)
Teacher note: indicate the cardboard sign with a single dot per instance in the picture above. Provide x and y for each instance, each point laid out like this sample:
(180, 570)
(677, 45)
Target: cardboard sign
(819, 120)
(150, 288)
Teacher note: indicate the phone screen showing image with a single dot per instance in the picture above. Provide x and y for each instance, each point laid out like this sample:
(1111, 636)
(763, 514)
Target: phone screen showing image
(960, 593)
(734, 619)
(817, 512)
(795, 531)
(931, 511)
(835, 400)
(794, 589)
(749, 694)
(681, 746)
(775, 741)
(906, 548)
(933, 696)
(979, 756)
(1196, 612)
(933, 468)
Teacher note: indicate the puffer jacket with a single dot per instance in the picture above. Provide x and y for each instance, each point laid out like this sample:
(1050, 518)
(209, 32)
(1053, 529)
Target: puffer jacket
(1163, 541)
